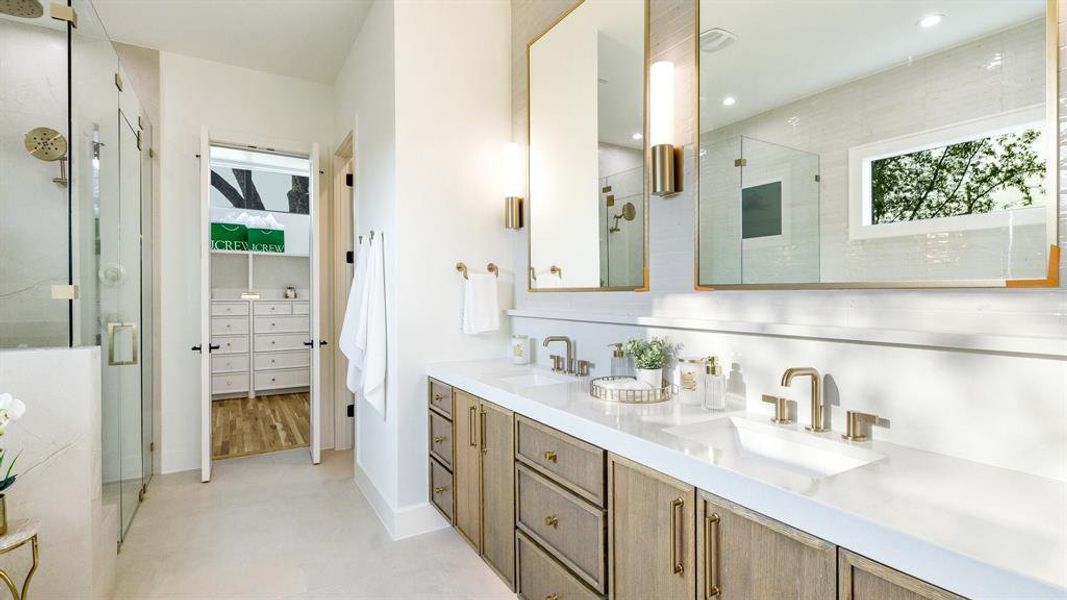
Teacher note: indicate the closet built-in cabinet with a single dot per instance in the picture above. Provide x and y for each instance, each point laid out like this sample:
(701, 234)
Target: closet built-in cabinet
(561, 519)
(260, 346)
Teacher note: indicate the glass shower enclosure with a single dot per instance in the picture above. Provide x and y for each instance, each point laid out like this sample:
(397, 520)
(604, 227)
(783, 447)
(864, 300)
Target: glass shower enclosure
(75, 222)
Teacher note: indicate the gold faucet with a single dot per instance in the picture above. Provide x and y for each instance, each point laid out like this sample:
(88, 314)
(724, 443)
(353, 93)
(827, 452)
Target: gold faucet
(568, 366)
(817, 419)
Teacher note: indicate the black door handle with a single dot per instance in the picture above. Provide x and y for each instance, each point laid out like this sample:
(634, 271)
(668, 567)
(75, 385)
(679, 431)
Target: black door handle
(323, 343)
(212, 347)
(197, 348)
(309, 343)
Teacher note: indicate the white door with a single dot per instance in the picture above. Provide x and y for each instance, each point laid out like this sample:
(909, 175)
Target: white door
(205, 305)
(316, 341)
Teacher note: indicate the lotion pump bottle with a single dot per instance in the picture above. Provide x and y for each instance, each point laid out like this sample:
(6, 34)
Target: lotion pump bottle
(714, 385)
(620, 365)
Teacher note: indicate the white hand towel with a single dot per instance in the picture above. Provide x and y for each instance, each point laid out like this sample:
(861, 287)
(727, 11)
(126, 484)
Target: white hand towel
(481, 308)
(375, 357)
(355, 316)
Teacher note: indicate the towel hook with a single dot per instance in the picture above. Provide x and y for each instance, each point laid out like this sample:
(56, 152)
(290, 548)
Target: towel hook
(555, 270)
(462, 268)
(492, 268)
(372, 235)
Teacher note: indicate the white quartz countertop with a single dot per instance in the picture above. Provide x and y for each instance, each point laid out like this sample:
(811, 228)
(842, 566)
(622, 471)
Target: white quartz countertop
(974, 529)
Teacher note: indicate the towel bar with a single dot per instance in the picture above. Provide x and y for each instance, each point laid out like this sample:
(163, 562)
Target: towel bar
(491, 267)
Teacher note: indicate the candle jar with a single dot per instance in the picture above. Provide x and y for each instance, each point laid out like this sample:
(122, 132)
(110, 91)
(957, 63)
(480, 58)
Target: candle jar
(691, 374)
(520, 349)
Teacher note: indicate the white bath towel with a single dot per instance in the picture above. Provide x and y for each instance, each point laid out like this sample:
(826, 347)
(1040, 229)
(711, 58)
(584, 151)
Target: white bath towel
(481, 308)
(355, 317)
(374, 349)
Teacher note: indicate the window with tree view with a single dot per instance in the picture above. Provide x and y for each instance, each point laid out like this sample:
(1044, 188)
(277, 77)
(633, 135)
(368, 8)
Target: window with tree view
(1000, 172)
(255, 189)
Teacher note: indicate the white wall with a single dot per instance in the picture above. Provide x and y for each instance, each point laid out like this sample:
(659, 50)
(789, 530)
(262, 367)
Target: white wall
(427, 175)
(239, 106)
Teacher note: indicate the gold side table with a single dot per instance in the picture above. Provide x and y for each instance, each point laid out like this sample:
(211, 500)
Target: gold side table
(18, 533)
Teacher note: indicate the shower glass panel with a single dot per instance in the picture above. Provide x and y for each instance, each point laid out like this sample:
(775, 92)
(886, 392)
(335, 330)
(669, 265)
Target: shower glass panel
(622, 227)
(34, 192)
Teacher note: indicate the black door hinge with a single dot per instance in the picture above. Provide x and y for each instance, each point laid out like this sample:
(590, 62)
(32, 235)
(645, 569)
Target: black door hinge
(348, 179)
(352, 410)
(350, 257)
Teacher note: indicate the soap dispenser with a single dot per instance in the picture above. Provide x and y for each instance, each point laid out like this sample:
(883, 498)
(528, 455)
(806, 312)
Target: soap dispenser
(620, 365)
(714, 385)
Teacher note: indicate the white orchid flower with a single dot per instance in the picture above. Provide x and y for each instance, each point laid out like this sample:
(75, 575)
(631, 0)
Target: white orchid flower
(11, 409)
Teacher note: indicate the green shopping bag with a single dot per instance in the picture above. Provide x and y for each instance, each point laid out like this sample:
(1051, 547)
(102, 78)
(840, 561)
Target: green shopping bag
(229, 237)
(266, 240)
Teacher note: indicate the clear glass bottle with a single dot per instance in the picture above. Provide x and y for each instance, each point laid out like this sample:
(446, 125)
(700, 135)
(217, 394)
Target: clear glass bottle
(714, 385)
(620, 365)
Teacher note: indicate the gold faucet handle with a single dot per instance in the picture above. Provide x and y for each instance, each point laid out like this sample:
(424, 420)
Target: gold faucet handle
(583, 368)
(858, 425)
(781, 408)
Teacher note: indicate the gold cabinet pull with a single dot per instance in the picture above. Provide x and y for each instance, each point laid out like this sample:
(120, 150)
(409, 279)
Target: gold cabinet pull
(471, 412)
(711, 556)
(437, 491)
(438, 439)
(676, 533)
(552, 597)
(481, 432)
(550, 456)
(438, 397)
(552, 521)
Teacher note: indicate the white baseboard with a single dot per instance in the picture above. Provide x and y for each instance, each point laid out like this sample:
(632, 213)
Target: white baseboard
(406, 521)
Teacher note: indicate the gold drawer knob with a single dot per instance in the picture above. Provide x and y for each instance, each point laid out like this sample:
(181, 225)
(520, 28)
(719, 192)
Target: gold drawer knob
(550, 456)
(438, 397)
(438, 439)
(437, 491)
(552, 521)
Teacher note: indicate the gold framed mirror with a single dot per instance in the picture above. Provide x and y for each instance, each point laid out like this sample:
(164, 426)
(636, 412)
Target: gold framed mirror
(925, 160)
(587, 124)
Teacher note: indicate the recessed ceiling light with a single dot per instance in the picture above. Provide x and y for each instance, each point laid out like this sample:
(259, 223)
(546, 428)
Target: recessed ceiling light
(637, 136)
(930, 21)
(729, 101)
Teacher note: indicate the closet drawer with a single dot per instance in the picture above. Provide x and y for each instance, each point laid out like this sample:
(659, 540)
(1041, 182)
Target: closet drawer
(229, 325)
(569, 527)
(441, 489)
(542, 577)
(230, 344)
(225, 383)
(441, 397)
(283, 360)
(301, 308)
(229, 309)
(577, 465)
(282, 378)
(265, 342)
(282, 324)
(273, 308)
(441, 439)
(229, 363)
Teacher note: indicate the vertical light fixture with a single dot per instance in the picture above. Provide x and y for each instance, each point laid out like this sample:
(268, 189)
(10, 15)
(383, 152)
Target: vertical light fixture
(661, 129)
(513, 186)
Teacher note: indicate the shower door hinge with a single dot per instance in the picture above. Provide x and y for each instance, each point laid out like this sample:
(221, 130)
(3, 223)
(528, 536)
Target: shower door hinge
(62, 12)
(118, 81)
(140, 122)
(740, 162)
(64, 292)
(818, 178)
(151, 446)
(138, 140)
(151, 153)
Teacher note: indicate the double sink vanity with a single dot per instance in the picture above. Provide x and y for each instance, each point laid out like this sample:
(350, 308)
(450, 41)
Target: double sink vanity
(566, 496)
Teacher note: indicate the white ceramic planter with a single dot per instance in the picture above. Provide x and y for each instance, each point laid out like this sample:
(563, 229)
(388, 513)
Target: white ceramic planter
(653, 377)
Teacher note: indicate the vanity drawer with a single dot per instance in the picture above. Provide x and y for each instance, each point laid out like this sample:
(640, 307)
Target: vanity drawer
(229, 309)
(575, 464)
(568, 527)
(541, 577)
(273, 308)
(229, 363)
(441, 489)
(282, 323)
(265, 342)
(301, 308)
(282, 378)
(441, 397)
(441, 439)
(283, 360)
(229, 325)
(226, 383)
(230, 344)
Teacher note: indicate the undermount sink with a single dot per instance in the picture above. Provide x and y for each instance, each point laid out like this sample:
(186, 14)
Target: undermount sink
(535, 379)
(796, 451)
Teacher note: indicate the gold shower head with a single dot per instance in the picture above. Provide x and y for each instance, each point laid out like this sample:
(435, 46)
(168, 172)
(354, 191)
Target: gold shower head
(26, 9)
(45, 143)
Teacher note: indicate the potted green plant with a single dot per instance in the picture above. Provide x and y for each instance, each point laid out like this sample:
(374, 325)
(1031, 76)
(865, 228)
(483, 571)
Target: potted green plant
(650, 355)
(11, 409)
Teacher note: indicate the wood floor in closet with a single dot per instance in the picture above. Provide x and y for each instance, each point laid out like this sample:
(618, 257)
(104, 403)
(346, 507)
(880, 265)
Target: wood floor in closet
(247, 426)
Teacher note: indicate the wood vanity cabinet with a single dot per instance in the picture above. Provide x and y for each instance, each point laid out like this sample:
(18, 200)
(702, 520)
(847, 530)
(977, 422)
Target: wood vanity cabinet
(742, 554)
(651, 538)
(440, 444)
(860, 578)
(484, 472)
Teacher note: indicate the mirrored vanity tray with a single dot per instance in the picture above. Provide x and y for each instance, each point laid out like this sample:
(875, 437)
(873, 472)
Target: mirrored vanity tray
(598, 389)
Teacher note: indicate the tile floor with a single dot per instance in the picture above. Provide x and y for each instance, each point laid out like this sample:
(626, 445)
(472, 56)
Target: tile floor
(274, 526)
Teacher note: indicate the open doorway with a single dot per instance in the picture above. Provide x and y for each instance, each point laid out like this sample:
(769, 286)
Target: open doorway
(262, 302)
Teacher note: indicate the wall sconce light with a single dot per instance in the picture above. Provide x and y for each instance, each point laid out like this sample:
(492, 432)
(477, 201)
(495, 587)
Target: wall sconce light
(513, 186)
(665, 162)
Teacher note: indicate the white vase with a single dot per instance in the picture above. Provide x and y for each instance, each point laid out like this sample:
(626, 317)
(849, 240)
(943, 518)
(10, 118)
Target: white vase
(653, 377)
